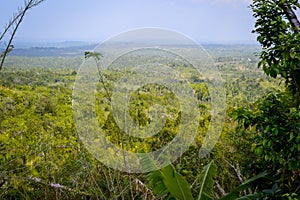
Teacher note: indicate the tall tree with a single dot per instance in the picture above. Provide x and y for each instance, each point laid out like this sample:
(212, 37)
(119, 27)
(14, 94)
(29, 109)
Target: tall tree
(278, 30)
(276, 117)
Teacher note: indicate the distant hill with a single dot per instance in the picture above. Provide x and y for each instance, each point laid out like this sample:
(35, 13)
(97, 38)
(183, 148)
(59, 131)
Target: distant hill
(70, 51)
(77, 48)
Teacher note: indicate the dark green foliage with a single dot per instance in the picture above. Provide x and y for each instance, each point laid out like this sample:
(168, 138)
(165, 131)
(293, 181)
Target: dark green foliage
(235, 193)
(276, 116)
(280, 41)
(167, 183)
(277, 144)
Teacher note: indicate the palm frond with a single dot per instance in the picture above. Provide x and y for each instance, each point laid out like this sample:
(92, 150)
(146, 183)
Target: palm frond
(207, 182)
(167, 183)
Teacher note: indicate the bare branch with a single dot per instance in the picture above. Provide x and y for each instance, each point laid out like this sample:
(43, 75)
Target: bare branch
(10, 24)
(141, 187)
(220, 188)
(14, 25)
(236, 169)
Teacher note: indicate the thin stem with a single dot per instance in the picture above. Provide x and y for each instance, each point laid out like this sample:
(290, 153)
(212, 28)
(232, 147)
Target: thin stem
(18, 19)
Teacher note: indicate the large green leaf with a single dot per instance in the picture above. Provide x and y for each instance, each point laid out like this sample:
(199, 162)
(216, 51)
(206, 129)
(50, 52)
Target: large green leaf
(234, 194)
(167, 182)
(207, 182)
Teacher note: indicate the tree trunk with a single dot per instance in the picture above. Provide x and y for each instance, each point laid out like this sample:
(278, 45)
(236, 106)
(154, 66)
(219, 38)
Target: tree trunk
(292, 17)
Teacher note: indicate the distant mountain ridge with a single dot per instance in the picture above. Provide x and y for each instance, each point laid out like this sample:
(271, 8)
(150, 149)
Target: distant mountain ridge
(71, 51)
(63, 44)
(77, 48)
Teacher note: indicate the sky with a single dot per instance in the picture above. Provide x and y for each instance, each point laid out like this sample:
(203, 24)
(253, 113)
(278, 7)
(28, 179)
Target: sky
(205, 21)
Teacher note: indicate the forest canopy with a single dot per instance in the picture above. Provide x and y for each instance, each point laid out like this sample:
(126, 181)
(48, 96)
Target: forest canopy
(257, 156)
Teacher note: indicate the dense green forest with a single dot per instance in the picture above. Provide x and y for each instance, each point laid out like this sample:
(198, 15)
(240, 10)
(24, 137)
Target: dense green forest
(42, 156)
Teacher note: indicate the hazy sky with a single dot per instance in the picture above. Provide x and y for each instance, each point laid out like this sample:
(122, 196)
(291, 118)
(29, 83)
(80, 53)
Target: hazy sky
(96, 20)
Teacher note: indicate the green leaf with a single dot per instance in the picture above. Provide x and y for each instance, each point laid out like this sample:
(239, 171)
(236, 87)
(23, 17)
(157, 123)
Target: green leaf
(292, 54)
(155, 179)
(235, 193)
(248, 197)
(177, 184)
(207, 182)
(168, 181)
(292, 136)
(95, 55)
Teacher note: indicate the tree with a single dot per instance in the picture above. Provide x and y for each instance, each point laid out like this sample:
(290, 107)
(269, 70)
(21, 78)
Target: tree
(276, 117)
(13, 26)
(278, 30)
